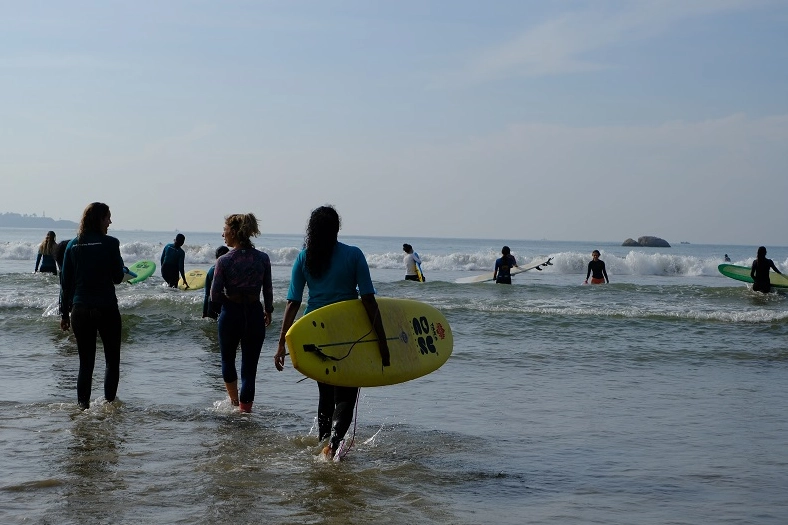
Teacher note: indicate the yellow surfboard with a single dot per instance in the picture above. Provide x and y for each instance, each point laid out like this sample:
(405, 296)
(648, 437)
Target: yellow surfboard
(337, 345)
(195, 278)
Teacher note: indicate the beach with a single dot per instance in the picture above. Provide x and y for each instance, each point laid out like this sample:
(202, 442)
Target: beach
(659, 398)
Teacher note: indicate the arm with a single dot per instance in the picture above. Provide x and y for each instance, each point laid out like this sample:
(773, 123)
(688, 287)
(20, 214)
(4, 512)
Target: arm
(38, 260)
(291, 310)
(66, 292)
(495, 271)
(161, 259)
(373, 312)
(775, 268)
(117, 264)
(604, 272)
(181, 263)
(268, 292)
(752, 271)
(588, 273)
(217, 286)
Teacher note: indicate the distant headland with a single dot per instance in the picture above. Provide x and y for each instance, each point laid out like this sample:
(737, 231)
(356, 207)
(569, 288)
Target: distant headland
(17, 220)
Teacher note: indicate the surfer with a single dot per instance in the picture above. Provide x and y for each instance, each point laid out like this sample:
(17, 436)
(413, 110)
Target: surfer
(92, 266)
(760, 271)
(727, 259)
(46, 254)
(238, 278)
(60, 252)
(172, 259)
(412, 264)
(209, 309)
(596, 269)
(503, 266)
(331, 270)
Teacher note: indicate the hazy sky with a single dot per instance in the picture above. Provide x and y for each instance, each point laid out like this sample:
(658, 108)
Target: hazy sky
(569, 120)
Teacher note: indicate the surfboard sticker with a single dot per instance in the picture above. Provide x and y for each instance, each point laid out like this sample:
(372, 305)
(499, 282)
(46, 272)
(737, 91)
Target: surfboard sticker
(337, 345)
(143, 269)
(514, 271)
(742, 273)
(195, 279)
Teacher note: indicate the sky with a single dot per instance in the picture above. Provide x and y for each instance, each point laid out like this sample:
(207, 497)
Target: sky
(593, 120)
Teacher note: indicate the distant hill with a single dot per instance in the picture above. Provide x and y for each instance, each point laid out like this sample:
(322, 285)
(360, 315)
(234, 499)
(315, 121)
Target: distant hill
(16, 220)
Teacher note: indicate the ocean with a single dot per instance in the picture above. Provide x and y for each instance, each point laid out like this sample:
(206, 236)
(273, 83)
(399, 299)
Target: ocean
(657, 399)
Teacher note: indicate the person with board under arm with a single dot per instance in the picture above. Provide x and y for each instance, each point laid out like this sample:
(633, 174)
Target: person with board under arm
(412, 264)
(331, 270)
(92, 266)
(596, 269)
(238, 279)
(760, 272)
(503, 266)
(172, 262)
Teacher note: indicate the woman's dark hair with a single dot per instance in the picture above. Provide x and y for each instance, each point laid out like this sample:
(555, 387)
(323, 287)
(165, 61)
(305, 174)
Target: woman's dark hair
(505, 250)
(221, 250)
(92, 217)
(321, 237)
(762, 252)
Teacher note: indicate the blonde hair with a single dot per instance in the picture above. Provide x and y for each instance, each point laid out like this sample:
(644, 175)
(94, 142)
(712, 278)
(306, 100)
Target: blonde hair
(243, 227)
(49, 245)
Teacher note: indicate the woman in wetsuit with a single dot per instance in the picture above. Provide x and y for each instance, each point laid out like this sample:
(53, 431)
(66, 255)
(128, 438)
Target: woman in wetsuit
(239, 277)
(333, 272)
(596, 269)
(92, 266)
(46, 255)
(503, 267)
(760, 271)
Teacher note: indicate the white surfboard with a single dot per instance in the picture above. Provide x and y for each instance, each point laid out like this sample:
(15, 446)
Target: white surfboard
(514, 271)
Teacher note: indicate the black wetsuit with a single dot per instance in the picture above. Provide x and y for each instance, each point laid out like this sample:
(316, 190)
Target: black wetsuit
(92, 266)
(760, 274)
(596, 269)
(504, 266)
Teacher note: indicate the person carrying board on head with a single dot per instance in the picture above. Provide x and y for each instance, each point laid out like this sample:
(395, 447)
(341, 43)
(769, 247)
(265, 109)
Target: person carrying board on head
(412, 264)
(760, 272)
(596, 270)
(503, 267)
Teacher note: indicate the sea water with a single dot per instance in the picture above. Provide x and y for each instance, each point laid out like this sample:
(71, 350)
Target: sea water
(660, 398)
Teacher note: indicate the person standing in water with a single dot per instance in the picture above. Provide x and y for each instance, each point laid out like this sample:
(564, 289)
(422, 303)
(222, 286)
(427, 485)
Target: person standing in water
(92, 266)
(209, 309)
(47, 251)
(332, 271)
(172, 262)
(412, 264)
(503, 267)
(238, 279)
(596, 269)
(760, 271)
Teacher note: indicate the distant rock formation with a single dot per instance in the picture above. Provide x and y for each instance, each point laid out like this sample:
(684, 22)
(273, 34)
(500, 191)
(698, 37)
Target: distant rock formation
(15, 220)
(647, 241)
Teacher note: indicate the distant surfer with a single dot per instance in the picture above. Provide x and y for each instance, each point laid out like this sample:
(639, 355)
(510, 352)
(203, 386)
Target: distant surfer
(760, 272)
(239, 278)
(727, 259)
(331, 270)
(92, 266)
(172, 261)
(596, 269)
(503, 267)
(210, 309)
(412, 264)
(46, 255)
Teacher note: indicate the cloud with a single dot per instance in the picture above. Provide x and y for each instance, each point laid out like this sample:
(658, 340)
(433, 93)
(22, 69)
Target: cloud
(568, 42)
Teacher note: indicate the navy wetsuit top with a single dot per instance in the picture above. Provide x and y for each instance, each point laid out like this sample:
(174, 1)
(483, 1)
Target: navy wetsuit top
(92, 266)
(173, 256)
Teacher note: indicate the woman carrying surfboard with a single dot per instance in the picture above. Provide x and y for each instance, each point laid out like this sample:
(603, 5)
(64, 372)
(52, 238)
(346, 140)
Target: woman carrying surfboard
(760, 271)
(332, 270)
